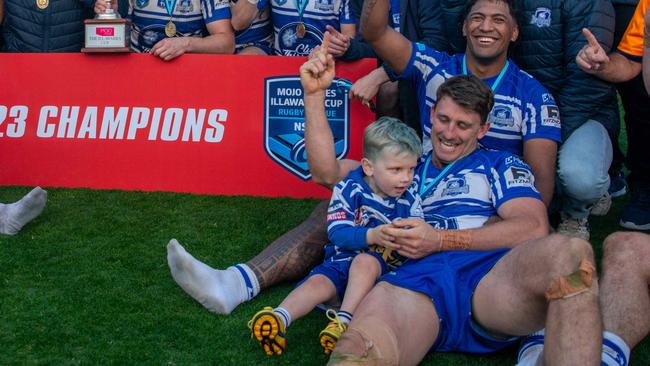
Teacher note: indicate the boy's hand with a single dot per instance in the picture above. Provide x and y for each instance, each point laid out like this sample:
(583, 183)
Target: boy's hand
(376, 236)
(317, 73)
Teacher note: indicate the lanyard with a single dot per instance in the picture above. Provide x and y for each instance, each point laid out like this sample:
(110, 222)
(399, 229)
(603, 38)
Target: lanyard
(496, 82)
(170, 5)
(300, 7)
(425, 187)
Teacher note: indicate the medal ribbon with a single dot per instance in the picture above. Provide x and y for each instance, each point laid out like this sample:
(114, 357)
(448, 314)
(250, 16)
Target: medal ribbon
(496, 82)
(425, 187)
(300, 6)
(170, 5)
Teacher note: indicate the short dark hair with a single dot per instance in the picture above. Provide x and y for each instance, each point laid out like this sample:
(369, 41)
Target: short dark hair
(515, 12)
(469, 92)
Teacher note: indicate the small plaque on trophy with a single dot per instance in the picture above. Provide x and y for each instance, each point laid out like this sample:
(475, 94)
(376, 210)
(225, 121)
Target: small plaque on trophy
(108, 32)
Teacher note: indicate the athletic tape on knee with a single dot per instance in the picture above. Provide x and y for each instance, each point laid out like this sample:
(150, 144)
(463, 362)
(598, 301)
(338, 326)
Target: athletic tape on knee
(574, 284)
(455, 239)
(371, 354)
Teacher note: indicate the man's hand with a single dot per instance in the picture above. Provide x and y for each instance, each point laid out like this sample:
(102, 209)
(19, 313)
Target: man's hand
(367, 87)
(592, 58)
(170, 48)
(414, 238)
(339, 42)
(317, 73)
(102, 5)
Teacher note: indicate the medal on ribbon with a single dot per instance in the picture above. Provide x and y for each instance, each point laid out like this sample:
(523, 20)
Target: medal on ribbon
(170, 28)
(42, 4)
(301, 29)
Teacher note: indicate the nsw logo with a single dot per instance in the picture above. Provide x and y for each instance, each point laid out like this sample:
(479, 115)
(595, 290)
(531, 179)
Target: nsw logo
(284, 122)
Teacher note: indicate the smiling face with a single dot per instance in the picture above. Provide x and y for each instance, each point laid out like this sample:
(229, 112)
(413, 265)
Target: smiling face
(455, 131)
(489, 28)
(391, 173)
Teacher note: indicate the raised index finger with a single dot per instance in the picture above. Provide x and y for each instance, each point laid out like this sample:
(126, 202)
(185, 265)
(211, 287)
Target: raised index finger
(591, 39)
(325, 44)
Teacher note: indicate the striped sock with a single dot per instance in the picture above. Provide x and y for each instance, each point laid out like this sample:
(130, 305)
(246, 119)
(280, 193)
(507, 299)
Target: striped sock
(531, 349)
(615, 351)
(345, 317)
(250, 281)
(284, 316)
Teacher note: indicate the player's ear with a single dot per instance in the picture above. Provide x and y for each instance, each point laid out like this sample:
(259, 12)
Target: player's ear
(367, 167)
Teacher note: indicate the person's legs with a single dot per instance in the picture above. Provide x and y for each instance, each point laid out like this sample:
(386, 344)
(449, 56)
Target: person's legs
(392, 326)
(288, 258)
(624, 298)
(583, 164)
(14, 216)
(512, 298)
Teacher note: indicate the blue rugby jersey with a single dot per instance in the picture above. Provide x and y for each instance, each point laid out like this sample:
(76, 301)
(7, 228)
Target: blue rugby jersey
(149, 18)
(473, 188)
(354, 209)
(260, 29)
(523, 108)
(317, 15)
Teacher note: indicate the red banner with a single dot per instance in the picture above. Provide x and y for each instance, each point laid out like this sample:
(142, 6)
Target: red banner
(208, 124)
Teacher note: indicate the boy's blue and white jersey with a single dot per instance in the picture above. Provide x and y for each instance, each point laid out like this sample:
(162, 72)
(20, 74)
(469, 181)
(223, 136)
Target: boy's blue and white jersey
(317, 14)
(149, 18)
(523, 108)
(472, 189)
(355, 208)
(260, 29)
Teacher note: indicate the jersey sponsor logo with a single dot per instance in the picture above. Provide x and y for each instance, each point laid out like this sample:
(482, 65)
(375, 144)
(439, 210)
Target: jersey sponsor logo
(339, 215)
(518, 177)
(548, 98)
(281, 2)
(455, 186)
(541, 17)
(284, 122)
(550, 115)
(324, 5)
(442, 222)
(335, 207)
(141, 3)
(501, 115)
(513, 160)
(292, 45)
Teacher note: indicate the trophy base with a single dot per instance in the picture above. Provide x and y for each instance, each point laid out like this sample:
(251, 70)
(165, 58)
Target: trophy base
(107, 35)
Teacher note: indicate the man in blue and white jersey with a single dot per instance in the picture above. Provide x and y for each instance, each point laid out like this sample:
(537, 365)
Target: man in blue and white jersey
(470, 286)
(170, 28)
(251, 20)
(525, 119)
(299, 25)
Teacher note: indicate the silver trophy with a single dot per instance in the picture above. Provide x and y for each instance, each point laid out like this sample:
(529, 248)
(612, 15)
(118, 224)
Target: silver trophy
(107, 32)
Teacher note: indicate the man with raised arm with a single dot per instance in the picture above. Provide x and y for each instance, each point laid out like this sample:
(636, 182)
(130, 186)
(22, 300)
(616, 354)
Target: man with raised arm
(464, 288)
(525, 119)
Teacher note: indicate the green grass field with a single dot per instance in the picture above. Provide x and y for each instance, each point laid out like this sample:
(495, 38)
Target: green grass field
(87, 282)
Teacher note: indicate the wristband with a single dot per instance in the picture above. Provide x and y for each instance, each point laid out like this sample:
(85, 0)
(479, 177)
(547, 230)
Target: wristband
(455, 240)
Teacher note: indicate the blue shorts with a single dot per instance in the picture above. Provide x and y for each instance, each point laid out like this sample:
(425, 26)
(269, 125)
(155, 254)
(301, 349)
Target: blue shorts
(449, 279)
(337, 270)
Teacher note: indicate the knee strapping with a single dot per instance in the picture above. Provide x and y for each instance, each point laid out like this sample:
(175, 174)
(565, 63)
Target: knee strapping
(385, 353)
(574, 284)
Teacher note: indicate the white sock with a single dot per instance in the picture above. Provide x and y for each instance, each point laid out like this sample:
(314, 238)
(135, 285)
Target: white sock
(219, 291)
(15, 215)
(284, 316)
(615, 351)
(531, 351)
(344, 316)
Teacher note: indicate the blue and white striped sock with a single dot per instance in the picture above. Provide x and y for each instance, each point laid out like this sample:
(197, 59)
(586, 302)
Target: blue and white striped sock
(615, 351)
(345, 317)
(284, 316)
(249, 281)
(531, 349)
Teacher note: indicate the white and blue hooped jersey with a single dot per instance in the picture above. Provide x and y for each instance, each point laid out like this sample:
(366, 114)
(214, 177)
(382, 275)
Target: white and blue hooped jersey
(355, 208)
(523, 108)
(471, 191)
(317, 14)
(260, 29)
(149, 18)
(395, 18)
